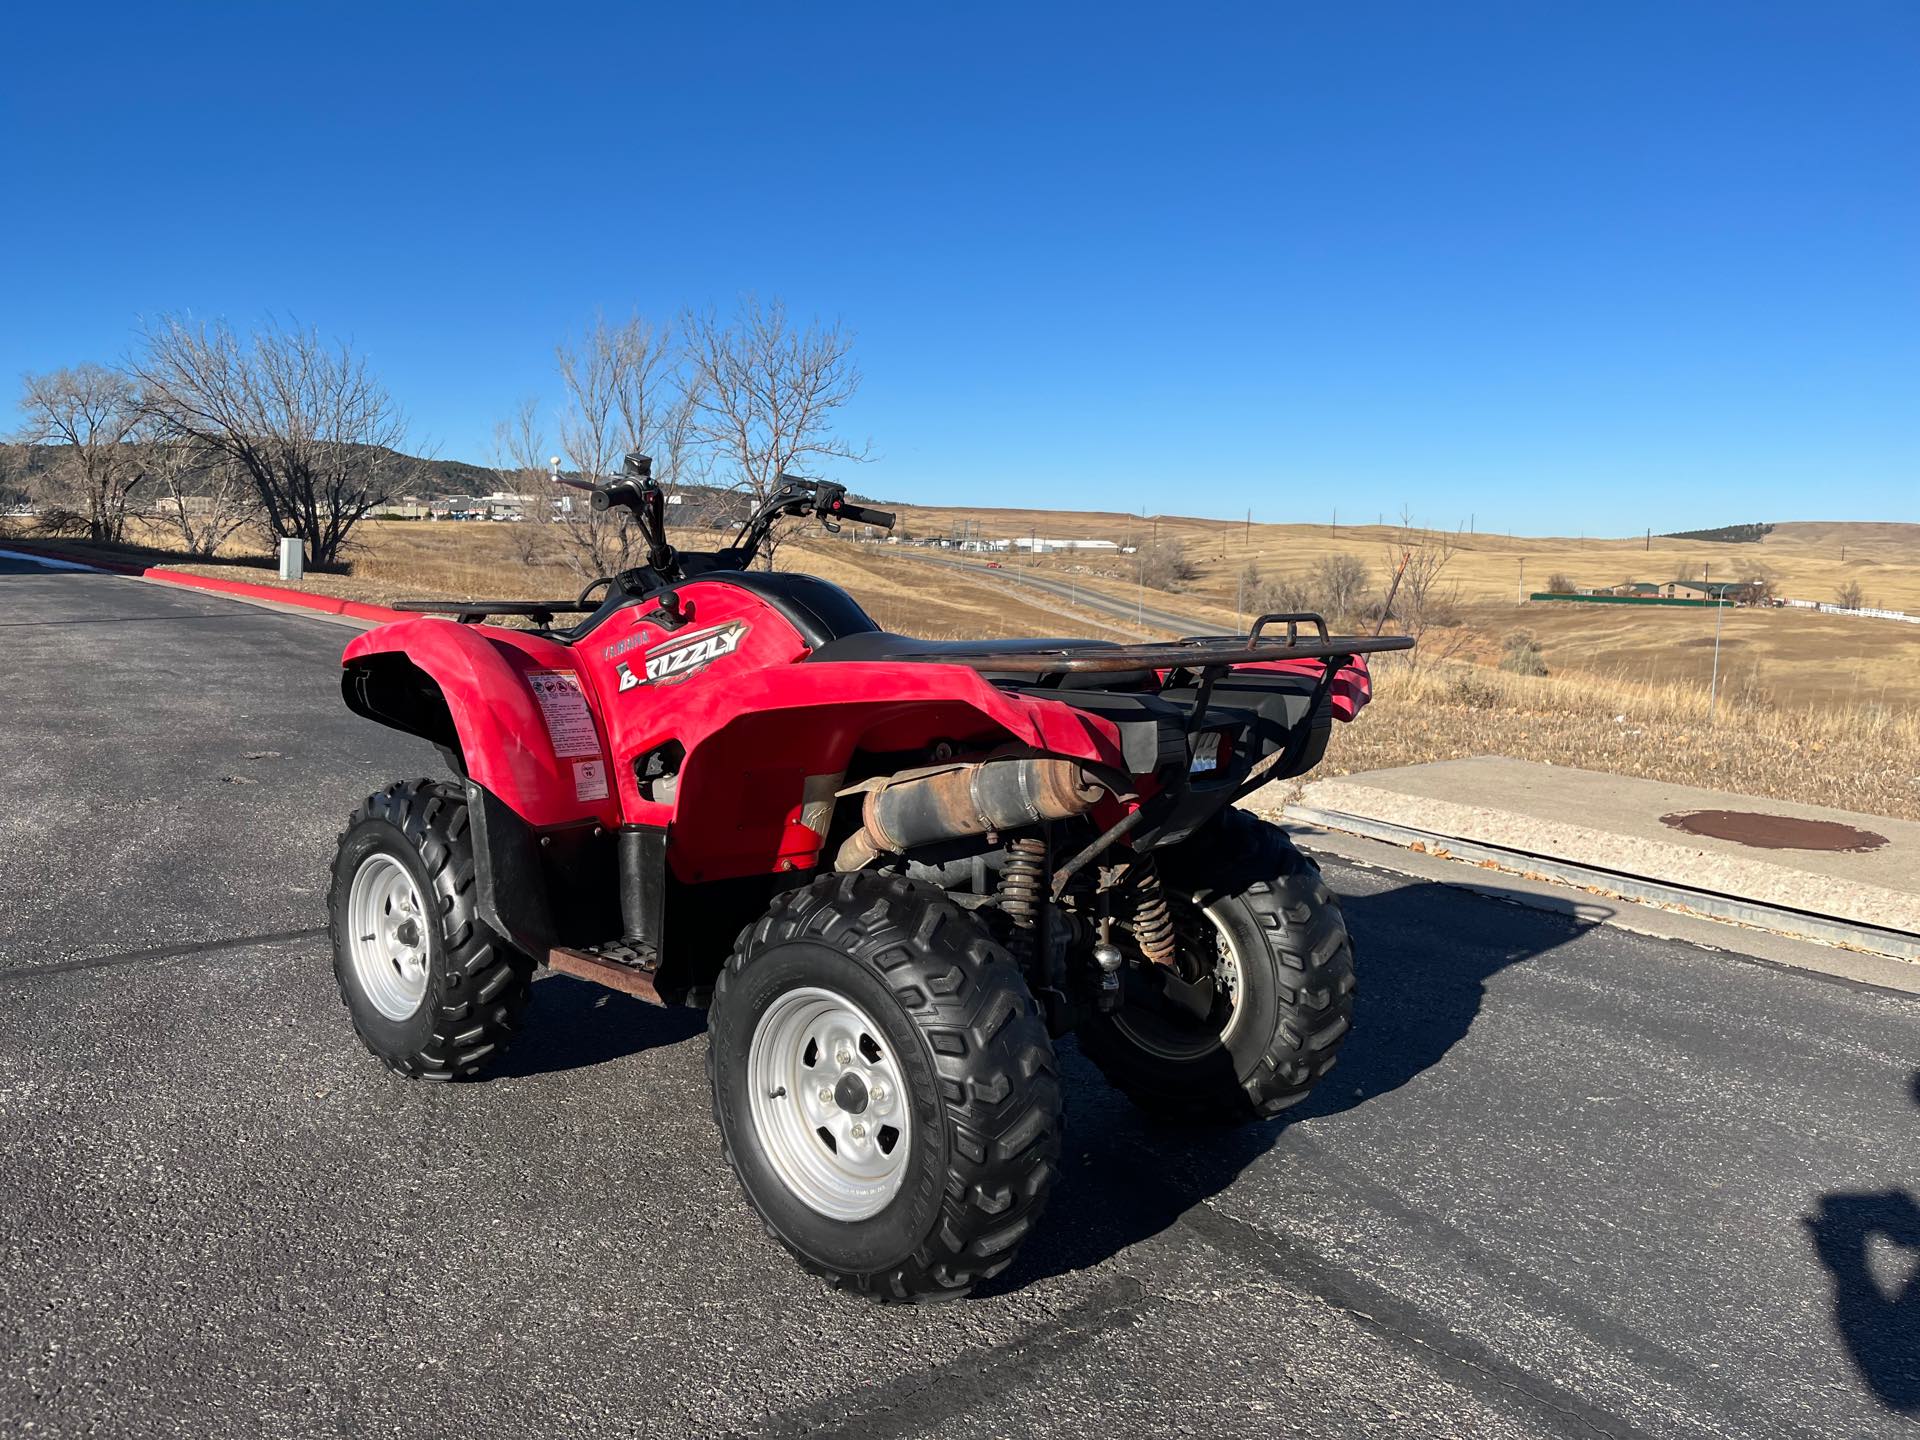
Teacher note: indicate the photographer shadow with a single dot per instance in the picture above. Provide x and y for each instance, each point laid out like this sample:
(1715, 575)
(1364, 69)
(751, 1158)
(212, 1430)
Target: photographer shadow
(1876, 1307)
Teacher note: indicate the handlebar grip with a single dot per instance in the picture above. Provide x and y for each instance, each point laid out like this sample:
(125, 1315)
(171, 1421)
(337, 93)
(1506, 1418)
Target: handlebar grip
(883, 518)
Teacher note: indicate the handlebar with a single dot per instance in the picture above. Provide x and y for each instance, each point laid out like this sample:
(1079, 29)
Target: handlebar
(635, 491)
(841, 508)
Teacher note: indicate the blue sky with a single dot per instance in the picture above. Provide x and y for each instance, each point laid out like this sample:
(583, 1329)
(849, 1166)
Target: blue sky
(1570, 268)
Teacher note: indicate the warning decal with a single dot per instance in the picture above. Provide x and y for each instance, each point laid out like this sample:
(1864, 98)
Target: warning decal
(564, 707)
(589, 779)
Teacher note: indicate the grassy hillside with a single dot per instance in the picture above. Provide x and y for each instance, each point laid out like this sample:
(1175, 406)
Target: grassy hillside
(1807, 560)
(1813, 708)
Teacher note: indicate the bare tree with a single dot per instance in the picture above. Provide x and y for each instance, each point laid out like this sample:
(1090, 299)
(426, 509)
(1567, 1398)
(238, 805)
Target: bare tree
(767, 395)
(1559, 584)
(1164, 563)
(201, 494)
(1282, 595)
(1850, 596)
(624, 391)
(1339, 584)
(89, 411)
(1420, 598)
(312, 429)
(520, 467)
(15, 493)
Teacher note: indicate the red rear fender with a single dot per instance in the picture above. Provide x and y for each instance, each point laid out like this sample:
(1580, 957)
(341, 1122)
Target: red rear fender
(759, 749)
(513, 703)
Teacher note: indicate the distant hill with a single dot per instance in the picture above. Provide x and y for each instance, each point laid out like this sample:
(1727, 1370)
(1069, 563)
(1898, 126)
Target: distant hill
(20, 464)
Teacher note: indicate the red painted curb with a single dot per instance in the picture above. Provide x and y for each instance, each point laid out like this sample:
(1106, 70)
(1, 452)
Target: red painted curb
(325, 604)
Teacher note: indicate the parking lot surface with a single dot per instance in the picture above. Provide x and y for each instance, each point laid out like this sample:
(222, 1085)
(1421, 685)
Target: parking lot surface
(1566, 1181)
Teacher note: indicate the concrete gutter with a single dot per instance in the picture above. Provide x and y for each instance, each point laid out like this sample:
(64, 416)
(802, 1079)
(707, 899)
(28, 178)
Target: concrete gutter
(1592, 905)
(1605, 834)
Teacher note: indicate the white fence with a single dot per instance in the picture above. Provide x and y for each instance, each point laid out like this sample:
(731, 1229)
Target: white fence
(1870, 612)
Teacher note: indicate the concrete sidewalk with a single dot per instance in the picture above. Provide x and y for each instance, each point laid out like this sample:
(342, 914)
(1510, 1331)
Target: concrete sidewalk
(1848, 879)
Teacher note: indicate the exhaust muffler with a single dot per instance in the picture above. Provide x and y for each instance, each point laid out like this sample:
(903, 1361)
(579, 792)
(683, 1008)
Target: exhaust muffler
(1009, 794)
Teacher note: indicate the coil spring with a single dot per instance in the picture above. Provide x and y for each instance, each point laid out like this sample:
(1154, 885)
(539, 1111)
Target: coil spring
(1152, 921)
(1023, 880)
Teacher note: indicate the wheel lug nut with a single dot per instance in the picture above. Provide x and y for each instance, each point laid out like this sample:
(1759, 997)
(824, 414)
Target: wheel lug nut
(879, 1094)
(859, 1131)
(826, 1094)
(843, 1058)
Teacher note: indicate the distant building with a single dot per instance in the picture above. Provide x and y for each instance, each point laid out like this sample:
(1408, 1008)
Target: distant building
(1041, 544)
(1736, 592)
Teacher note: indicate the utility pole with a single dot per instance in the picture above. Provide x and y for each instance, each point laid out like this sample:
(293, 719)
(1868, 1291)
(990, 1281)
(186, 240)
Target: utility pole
(1719, 614)
(1521, 597)
(1140, 577)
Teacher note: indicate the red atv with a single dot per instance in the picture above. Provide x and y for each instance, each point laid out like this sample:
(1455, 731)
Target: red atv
(895, 869)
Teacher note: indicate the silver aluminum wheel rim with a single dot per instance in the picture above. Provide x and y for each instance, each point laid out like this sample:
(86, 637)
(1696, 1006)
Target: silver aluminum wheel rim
(1228, 977)
(387, 936)
(806, 1044)
(1226, 970)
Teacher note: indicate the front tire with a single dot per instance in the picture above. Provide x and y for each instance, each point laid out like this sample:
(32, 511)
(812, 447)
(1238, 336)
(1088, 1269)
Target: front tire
(430, 988)
(1253, 918)
(884, 1086)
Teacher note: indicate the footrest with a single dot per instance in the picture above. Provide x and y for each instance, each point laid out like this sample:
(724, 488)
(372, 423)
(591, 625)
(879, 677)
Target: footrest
(626, 968)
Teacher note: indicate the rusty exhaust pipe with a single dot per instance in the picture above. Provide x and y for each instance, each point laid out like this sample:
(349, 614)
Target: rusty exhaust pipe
(966, 800)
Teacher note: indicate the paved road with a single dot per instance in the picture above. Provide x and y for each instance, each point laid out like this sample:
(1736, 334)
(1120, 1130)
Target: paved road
(1134, 613)
(1560, 1185)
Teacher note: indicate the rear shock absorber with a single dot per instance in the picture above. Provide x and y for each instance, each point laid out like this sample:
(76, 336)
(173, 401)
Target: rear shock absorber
(1022, 891)
(1151, 921)
(1022, 896)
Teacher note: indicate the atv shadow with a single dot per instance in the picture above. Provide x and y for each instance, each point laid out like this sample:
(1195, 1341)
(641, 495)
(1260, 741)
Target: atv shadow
(573, 1024)
(1423, 964)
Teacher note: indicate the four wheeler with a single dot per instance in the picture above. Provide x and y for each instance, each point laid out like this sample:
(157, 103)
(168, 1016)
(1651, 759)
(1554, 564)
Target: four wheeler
(894, 869)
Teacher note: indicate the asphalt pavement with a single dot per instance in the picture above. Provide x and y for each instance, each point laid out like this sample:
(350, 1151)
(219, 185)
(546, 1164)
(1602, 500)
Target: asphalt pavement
(1567, 1180)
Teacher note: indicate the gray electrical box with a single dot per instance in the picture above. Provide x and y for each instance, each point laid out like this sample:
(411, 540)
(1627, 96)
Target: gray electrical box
(292, 560)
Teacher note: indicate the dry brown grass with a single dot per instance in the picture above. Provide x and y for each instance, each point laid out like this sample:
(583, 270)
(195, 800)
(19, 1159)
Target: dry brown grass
(1796, 658)
(469, 560)
(1823, 710)
(1862, 757)
(1808, 560)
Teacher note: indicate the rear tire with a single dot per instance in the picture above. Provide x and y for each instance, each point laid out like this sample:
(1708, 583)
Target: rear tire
(1252, 911)
(872, 1001)
(431, 990)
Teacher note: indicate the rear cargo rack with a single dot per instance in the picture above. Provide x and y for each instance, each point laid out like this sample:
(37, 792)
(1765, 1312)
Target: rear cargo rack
(1198, 652)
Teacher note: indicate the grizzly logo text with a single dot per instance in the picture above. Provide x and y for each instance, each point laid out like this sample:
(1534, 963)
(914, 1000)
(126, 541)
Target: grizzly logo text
(680, 658)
